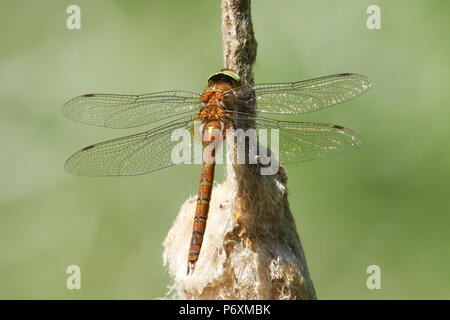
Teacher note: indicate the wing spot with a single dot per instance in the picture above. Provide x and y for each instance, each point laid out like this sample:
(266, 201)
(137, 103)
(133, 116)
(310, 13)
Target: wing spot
(88, 147)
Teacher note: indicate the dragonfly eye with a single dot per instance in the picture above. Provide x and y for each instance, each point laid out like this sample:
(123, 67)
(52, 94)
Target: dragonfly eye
(227, 75)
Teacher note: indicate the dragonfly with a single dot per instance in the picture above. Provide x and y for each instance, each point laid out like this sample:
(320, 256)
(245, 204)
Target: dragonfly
(225, 104)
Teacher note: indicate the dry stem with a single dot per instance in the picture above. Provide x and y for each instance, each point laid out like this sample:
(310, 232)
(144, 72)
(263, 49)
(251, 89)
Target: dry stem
(251, 249)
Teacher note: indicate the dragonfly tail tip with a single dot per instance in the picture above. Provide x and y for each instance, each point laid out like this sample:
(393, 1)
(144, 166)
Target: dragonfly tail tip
(190, 267)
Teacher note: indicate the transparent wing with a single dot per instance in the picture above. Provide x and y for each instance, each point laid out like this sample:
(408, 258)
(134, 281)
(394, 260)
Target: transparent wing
(126, 111)
(303, 96)
(132, 155)
(301, 141)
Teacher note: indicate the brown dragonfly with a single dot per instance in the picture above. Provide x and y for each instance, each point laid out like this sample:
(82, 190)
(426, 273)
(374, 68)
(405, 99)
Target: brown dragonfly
(225, 104)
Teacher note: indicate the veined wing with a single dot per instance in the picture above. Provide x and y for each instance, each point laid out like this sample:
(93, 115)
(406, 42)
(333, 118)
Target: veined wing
(126, 111)
(132, 155)
(301, 141)
(304, 96)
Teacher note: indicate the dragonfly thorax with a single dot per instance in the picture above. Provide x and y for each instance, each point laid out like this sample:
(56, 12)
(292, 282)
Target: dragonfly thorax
(212, 102)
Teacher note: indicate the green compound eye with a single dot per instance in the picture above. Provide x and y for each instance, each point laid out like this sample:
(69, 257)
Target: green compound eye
(225, 74)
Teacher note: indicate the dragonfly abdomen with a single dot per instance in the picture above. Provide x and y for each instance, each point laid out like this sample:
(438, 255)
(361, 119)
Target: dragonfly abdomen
(211, 131)
(201, 213)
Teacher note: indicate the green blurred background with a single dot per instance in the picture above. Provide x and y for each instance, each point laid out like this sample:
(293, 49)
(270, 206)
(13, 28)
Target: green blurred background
(387, 204)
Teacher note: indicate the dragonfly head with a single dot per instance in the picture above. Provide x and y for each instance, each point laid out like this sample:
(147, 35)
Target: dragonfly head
(225, 75)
